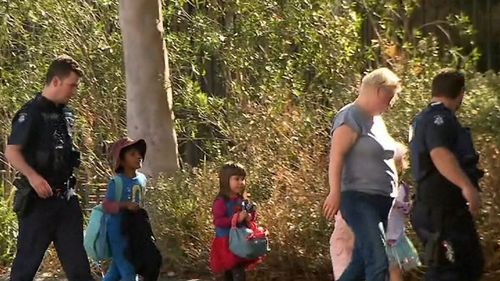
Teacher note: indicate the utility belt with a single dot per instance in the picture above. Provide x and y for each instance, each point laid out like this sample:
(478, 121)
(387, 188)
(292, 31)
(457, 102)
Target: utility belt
(467, 163)
(435, 189)
(64, 193)
(65, 189)
(25, 194)
(438, 251)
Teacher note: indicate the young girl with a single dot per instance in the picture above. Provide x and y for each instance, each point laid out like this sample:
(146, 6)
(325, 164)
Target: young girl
(400, 251)
(228, 202)
(127, 156)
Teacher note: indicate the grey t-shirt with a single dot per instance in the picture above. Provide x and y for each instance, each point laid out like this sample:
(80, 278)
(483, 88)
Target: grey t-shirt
(369, 166)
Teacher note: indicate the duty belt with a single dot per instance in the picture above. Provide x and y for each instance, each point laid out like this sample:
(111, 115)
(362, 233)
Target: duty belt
(66, 191)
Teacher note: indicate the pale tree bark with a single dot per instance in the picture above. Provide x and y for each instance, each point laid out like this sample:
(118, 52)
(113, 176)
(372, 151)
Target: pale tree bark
(149, 93)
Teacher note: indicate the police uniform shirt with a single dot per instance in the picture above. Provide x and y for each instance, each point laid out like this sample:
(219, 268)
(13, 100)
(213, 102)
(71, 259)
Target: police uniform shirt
(41, 127)
(436, 126)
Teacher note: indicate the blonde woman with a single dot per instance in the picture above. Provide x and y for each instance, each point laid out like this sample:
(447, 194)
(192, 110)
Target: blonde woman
(362, 173)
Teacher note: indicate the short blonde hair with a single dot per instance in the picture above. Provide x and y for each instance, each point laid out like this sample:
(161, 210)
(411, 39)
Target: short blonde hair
(382, 77)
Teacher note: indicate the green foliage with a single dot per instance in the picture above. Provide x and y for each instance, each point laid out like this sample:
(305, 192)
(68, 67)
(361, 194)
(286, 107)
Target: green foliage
(256, 82)
(32, 33)
(287, 67)
(8, 230)
(253, 50)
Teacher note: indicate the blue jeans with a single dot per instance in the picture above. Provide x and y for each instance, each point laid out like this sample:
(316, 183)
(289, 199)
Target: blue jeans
(363, 213)
(120, 268)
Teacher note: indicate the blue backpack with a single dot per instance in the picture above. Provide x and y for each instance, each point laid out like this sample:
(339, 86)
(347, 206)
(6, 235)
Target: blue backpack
(95, 239)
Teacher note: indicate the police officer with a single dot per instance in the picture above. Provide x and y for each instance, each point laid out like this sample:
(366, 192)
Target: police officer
(40, 147)
(444, 166)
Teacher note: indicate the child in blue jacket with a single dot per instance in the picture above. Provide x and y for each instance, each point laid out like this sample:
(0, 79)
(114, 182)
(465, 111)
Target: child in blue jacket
(127, 156)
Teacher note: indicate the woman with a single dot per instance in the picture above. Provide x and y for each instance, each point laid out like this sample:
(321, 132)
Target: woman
(362, 173)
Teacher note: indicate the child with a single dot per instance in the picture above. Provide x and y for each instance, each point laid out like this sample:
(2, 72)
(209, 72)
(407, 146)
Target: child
(228, 202)
(400, 251)
(127, 156)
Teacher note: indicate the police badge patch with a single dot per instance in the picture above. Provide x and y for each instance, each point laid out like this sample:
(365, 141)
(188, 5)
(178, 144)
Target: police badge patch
(410, 134)
(22, 117)
(438, 120)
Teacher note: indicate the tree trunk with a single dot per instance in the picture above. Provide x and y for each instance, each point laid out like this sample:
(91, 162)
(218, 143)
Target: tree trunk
(149, 92)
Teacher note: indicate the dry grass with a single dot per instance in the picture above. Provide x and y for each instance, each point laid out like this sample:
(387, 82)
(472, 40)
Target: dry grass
(287, 178)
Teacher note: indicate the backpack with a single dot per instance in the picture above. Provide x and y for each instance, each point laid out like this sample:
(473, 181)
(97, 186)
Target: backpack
(95, 239)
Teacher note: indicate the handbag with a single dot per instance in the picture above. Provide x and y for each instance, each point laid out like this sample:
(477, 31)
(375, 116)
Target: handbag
(247, 242)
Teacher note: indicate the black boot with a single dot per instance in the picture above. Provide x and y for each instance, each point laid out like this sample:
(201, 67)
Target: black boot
(239, 273)
(228, 275)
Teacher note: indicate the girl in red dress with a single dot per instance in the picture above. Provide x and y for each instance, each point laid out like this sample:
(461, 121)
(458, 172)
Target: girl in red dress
(228, 202)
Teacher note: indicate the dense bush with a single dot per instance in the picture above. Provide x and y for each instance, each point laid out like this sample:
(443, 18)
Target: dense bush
(256, 82)
(8, 230)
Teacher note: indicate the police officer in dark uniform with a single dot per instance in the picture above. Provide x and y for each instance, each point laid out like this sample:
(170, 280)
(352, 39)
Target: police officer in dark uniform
(444, 166)
(40, 147)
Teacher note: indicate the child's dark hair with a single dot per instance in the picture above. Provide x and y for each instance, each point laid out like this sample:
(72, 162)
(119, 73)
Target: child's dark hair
(122, 156)
(225, 173)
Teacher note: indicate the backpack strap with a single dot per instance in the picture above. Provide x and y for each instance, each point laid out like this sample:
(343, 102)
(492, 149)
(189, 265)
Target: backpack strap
(118, 188)
(142, 192)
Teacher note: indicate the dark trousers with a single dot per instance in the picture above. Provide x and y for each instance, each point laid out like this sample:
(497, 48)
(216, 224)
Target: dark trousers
(235, 274)
(459, 231)
(363, 213)
(51, 220)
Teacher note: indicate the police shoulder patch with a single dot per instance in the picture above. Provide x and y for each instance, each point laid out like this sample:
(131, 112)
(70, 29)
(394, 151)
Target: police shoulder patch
(411, 134)
(438, 120)
(22, 117)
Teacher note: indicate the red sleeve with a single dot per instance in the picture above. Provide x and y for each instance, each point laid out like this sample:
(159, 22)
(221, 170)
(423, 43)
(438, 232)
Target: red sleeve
(111, 207)
(219, 213)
